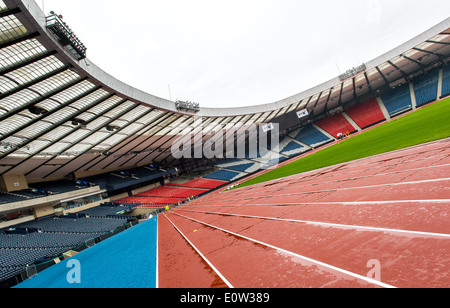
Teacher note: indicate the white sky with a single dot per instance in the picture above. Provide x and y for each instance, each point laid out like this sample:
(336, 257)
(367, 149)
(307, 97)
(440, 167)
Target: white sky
(223, 54)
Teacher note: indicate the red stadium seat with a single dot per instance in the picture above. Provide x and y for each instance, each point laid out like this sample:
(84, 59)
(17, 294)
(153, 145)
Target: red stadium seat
(366, 114)
(172, 192)
(201, 183)
(336, 124)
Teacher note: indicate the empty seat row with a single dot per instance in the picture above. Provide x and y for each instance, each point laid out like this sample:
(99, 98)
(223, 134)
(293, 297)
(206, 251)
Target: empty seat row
(311, 136)
(224, 175)
(398, 100)
(201, 183)
(80, 225)
(172, 192)
(446, 81)
(50, 237)
(336, 124)
(366, 114)
(425, 87)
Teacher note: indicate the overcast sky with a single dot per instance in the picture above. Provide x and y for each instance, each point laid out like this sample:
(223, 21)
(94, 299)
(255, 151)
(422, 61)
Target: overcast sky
(240, 52)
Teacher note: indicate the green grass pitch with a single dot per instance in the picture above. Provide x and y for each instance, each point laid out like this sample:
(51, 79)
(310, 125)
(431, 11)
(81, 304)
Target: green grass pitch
(428, 124)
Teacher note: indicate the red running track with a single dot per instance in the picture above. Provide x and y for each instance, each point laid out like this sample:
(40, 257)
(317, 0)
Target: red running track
(376, 222)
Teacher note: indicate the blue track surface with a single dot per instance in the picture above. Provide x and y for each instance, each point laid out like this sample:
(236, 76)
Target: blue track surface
(126, 260)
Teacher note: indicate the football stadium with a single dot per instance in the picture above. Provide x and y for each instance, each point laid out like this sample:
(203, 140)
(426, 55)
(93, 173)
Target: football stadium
(102, 185)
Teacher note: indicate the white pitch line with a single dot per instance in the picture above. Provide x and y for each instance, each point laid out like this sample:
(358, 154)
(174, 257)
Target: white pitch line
(334, 268)
(419, 233)
(315, 172)
(345, 188)
(304, 183)
(202, 256)
(157, 254)
(332, 203)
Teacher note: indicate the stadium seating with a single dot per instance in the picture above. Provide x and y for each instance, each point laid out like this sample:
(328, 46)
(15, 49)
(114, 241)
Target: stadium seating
(425, 87)
(311, 136)
(80, 225)
(241, 168)
(40, 190)
(224, 175)
(11, 198)
(289, 147)
(108, 210)
(292, 148)
(51, 237)
(172, 192)
(119, 180)
(446, 81)
(150, 201)
(366, 114)
(201, 183)
(336, 124)
(397, 100)
(59, 187)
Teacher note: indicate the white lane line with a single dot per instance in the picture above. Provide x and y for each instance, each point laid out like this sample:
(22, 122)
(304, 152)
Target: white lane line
(418, 233)
(202, 256)
(340, 189)
(157, 254)
(331, 267)
(389, 202)
(304, 182)
(381, 156)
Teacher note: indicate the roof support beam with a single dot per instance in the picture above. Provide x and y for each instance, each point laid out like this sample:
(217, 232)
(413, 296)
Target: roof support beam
(10, 12)
(58, 140)
(440, 56)
(369, 84)
(60, 122)
(382, 76)
(35, 81)
(436, 42)
(42, 117)
(19, 39)
(423, 67)
(355, 97)
(397, 68)
(149, 147)
(326, 110)
(153, 151)
(27, 62)
(100, 141)
(118, 147)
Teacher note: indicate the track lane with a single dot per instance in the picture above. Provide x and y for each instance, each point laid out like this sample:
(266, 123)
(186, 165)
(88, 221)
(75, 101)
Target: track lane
(180, 266)
(421, 216)
(247, 262)
(349, 248)
(348, 213)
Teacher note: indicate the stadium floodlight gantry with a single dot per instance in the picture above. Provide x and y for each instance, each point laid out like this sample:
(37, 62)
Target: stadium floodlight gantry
(62, 115)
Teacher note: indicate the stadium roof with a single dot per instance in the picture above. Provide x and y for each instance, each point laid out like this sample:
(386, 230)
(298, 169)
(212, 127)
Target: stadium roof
(61, 114)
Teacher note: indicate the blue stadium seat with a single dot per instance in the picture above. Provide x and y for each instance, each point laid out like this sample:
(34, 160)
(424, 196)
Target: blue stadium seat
(51, 237)
(292, 149)
(311, 136)
(398, 100)
(446, 81)
(241, 168)
(425, 87)
(222, 175)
